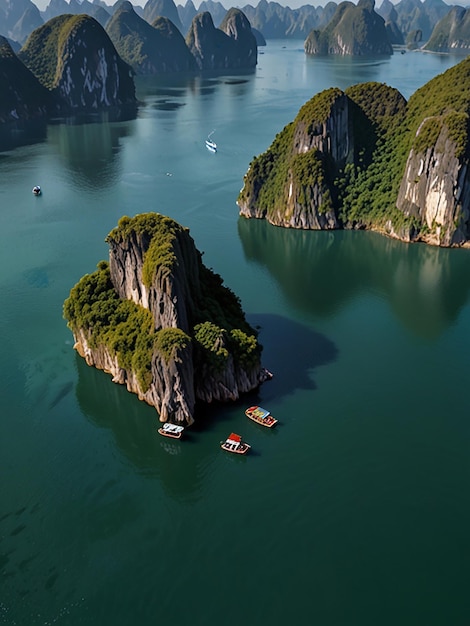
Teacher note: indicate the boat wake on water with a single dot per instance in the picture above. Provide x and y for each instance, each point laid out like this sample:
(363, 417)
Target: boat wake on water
(210, 144)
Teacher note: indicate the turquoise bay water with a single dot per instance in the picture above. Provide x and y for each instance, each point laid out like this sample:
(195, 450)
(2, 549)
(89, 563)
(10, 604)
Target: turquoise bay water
(355, 510)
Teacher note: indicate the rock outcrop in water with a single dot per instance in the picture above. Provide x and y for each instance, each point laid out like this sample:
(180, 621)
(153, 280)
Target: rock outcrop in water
(365, 158)
(73, 57)
(162, 323)
(232, 46)
(155, 48)
(354, 30)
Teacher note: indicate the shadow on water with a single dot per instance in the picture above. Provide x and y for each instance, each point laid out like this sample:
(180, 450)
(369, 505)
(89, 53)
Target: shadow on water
(90, 148)
(176, 86)
(179, 464)
(291, 351)
(22, 133)
(320, 272)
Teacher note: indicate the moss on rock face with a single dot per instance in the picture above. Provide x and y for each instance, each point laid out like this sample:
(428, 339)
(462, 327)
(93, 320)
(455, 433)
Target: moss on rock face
(218, 336)
(380, 129)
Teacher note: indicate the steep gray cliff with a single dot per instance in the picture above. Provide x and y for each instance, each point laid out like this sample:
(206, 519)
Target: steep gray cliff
(320, 146)
(90, 73)
(435, 189)
(163, 324)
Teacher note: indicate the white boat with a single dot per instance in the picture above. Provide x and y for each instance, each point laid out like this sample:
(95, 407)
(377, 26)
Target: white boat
(37, 190)
(211, 145)
(171, 430)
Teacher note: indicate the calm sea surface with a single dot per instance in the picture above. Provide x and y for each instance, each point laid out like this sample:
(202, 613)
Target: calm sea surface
(355, 510)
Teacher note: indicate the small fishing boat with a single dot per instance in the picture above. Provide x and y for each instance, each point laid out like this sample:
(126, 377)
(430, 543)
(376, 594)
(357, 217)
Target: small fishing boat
(37, 190)
(234, 444)
(261, 416)
(211, 145)
(171, 430)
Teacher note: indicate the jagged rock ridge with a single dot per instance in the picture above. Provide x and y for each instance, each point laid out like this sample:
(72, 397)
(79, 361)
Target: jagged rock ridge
(162, 323)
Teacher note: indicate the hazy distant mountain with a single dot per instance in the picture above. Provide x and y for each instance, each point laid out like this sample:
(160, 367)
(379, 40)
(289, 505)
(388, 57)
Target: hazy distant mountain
(29, 21)
(162, 8)
(61, 7)
(18, 18)
(149, 49)
(353, 30)
(451, 33)
(186, 14)
(414, 15)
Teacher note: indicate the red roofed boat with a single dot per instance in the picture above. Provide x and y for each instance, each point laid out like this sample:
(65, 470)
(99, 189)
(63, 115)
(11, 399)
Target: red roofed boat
(234, 444)
(261, 416)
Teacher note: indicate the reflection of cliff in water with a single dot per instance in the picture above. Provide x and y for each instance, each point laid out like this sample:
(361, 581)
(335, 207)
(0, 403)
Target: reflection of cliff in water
(179, 464)
(22, 133)
(321, 271)
(90, 148)
(174, 88)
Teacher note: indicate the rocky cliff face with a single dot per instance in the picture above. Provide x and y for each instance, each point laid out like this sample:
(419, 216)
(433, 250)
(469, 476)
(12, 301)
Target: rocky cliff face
(197, 346)
(73, 57)
(90, 73)
(366, 158)
(435, 190)
(232, 46)
(319, 146)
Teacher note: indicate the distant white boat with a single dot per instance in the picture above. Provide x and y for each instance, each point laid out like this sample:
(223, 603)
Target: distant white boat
(37, 190)
(211, 145)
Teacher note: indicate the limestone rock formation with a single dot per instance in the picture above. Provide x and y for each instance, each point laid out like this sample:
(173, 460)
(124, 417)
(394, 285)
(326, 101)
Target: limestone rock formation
(366, 158)
(231, 46)
(162, 8)
(22, 96)
(435, 189)
(155, 48)
(451, 33)
(73, 57)
(162, 323)
(353, 30)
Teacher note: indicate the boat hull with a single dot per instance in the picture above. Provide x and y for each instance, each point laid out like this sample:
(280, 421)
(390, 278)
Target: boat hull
(165, 433)
(268, 421)
(242, 449)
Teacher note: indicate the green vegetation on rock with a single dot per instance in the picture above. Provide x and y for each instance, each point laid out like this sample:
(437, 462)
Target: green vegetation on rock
(218, 327)
(383, 129)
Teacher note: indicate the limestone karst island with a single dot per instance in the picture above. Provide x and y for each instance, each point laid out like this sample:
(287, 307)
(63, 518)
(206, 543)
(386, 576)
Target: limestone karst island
(366, 158)
(162, 323)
